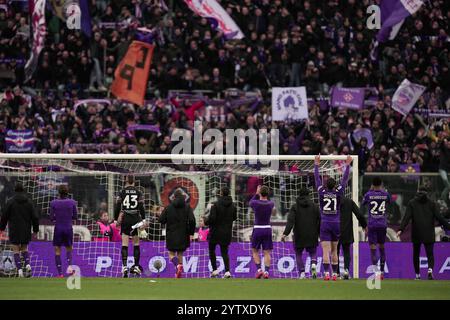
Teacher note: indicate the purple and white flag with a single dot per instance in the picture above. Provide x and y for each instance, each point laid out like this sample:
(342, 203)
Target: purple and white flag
(393, 14)
(289, 104)
(406, 96)
(37, 11)
(347, 98)
(19, 141)
(217, 16)
(361, 133)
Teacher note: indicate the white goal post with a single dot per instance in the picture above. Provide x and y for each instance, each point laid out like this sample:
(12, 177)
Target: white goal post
(211, 160)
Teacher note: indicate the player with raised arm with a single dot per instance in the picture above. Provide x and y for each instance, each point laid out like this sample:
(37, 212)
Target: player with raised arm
(262, 230)
(130, 214)
(329, 204)
(63, 211)
(376, 200)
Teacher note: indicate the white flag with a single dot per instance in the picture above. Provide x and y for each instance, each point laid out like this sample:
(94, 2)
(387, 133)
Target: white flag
(406, 96)
(289, 104)
(220, 19)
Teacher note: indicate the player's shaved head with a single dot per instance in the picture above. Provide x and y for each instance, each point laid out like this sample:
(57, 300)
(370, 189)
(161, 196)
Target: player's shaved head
(264, 191)
(63, 190)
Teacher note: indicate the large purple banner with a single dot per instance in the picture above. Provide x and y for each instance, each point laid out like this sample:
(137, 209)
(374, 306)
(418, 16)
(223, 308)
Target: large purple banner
(103, 259)
(352, 98)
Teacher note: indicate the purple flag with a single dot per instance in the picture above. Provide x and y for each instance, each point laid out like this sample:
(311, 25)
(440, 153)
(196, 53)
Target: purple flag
(393, 14)
(351, 98)
(19, 141)
(85, 18)
(411, 168)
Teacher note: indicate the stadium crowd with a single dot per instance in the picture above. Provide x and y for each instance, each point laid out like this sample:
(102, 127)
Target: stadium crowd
(318, 44)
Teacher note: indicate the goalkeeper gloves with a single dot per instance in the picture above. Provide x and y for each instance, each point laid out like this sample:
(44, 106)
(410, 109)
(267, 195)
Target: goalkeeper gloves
(143, 234)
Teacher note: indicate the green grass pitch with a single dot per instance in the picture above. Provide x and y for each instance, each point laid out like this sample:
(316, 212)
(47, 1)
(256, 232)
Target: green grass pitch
(232, 289)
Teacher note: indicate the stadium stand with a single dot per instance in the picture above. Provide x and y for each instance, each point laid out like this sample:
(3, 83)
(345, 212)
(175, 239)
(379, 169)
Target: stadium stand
(318, 44)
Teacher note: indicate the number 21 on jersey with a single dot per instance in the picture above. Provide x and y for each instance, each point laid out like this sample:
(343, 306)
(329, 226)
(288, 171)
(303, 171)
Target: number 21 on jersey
(330, 205)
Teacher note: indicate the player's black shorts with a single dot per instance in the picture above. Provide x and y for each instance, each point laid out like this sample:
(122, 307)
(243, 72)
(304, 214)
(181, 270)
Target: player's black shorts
(129, 220)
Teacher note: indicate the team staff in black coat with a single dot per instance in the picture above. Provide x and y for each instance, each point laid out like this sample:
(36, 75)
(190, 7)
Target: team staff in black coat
(20, 215)
(304, 218)
(348, 206)
(180, 225)
(223, 213)
(422, 212)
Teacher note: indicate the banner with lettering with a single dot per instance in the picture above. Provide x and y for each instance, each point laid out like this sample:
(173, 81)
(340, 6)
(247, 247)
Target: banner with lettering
(350, 98)
(100, 259)
(289, 104)
(19, 141)
(131, 75)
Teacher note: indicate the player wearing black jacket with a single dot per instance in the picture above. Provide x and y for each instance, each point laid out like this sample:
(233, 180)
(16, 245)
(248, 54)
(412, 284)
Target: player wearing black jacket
(348, 206)
(20, 215)
(180, 225)
(223, 213)
(422, 212)
(304, 218)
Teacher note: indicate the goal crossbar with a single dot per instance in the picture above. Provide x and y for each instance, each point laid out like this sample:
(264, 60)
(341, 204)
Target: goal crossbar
(235, 157)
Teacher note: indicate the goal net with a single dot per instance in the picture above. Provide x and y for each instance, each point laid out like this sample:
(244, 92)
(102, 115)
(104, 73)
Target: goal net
(95, 181)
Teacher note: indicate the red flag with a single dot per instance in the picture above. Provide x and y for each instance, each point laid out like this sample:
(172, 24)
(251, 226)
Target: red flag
(131, 75)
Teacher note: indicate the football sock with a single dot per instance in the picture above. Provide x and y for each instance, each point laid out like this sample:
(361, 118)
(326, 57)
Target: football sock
(300, 264)
(258, 265)
(373, 255)
(326, 267)
(312, 254)
(430, 254)
(382, 259)
(18, 261)
(346, 249)
(334, 268)
(225, 257)
(266, 268)
(212, 257)
(69, 257)
(137, 254)
(25, 257)
(175, 261)
(58, 263)
(124, 255)
(416, 257)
